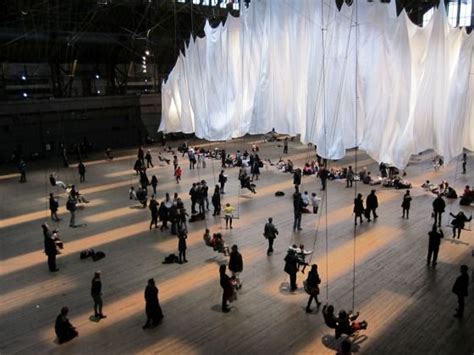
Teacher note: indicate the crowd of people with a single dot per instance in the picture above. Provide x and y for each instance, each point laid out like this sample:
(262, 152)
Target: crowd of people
(171, 214)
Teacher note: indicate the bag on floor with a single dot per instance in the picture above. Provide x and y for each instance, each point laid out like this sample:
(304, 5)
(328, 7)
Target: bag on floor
(98, 255)
(170, 259)
(86, 254)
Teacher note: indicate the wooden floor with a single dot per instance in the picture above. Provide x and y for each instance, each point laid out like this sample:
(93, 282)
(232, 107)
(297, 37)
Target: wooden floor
(408, 306)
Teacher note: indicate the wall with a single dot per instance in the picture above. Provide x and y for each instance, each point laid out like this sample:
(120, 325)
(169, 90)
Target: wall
(115, 121)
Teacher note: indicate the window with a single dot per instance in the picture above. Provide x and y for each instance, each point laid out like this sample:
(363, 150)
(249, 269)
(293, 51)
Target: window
(459, 13)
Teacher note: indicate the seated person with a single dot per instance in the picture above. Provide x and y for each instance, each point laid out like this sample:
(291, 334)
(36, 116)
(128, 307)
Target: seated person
(347, 324)
(63, 328)
(53, 180)
(428, 186)
(451, 193)
(219, 244)
(400, 183)
(75, 194)
(329, 316)
(289, 167)
(307, 169)
(301, 254)
(367, 178)
(141, 196)
(245, 183)
(467, 197)
(108, 154)
(281, 165)
(305, 198)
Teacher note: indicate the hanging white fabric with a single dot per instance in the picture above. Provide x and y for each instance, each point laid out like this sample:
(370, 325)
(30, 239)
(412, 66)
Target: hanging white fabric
(291, 65)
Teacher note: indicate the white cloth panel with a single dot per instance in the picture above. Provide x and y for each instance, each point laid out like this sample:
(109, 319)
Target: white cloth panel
(360, 76)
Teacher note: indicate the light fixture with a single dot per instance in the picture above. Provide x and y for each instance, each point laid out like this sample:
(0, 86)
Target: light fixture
(146, 81)
(143, 58)
(147, 52)
(98, 91)
(23, 77)
(144, 66)
(25, 94)
(97, 76)
(144, 70)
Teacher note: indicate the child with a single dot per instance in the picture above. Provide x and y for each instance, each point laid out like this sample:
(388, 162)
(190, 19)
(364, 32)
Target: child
(228, 209)
(315, 202)
(177, 174)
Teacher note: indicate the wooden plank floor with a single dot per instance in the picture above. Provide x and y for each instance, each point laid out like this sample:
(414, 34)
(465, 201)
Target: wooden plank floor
(409, 307)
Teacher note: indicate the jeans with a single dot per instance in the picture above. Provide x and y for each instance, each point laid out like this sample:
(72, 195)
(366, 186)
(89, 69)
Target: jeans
(297, 222)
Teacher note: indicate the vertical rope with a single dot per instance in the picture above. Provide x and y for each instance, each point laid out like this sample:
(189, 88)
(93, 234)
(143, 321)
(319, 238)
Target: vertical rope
(357, 148)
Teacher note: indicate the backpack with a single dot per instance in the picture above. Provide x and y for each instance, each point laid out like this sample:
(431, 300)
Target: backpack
(98, 255)
(70, 205)
(86, 253)
(279, 193)
(170, 259)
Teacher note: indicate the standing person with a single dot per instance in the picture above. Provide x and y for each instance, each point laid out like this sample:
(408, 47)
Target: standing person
(154, 183)
(64, 155)
(297, 179)
(154, 314)
(53, 207)
(464, 162)
(216, 201)
(228, 214)
(22, 169)
(205, 193)
(71, 207)
(182, 236)
(236, 264)
(223, 156)
(312, 287)
(458, 222)
(433, 245)
(192, 159)
(141, 156)
(349, 177)
(371, 204)
(285, 146)
(96, 293)
(178, 172)
(227, 288)
(82, 171)
(438, 209)
(50, 248)
(406, 203)
(153, 206)
(149, 159)
(255, 169)
(163, 214)
(175, 162)
(298, 211)
(358, 208)
(315, 202)
(270, 232)
(222, 181)
(291, 268)
(323, 175)
(460, 289)
(63, 328)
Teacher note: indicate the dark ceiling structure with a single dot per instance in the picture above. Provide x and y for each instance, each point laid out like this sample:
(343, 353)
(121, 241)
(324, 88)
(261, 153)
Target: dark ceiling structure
(108, 34)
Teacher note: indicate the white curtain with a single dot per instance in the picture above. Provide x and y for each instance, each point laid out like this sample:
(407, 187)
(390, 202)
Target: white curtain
(360, 76)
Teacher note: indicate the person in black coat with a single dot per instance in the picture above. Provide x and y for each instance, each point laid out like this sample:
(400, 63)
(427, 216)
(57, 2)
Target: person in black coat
(53, 207)
(236, 264)
(50, 248)
(358, 208)
(96, 293)
(323, 176)
(438, 209)
(297, 179)
(182, 246)
(153, 206)
(371, 204)
(291, 268)
(298, 211)
(163, 214)
(460, 289)
(154, 183)
(63, 328)
(82, 171)
(222, 181)
(216, 201)
(154, 315)
(458, 222)
(270, 232)
(433, 244)
(406, 203)
(227, 288)
(312, 287)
